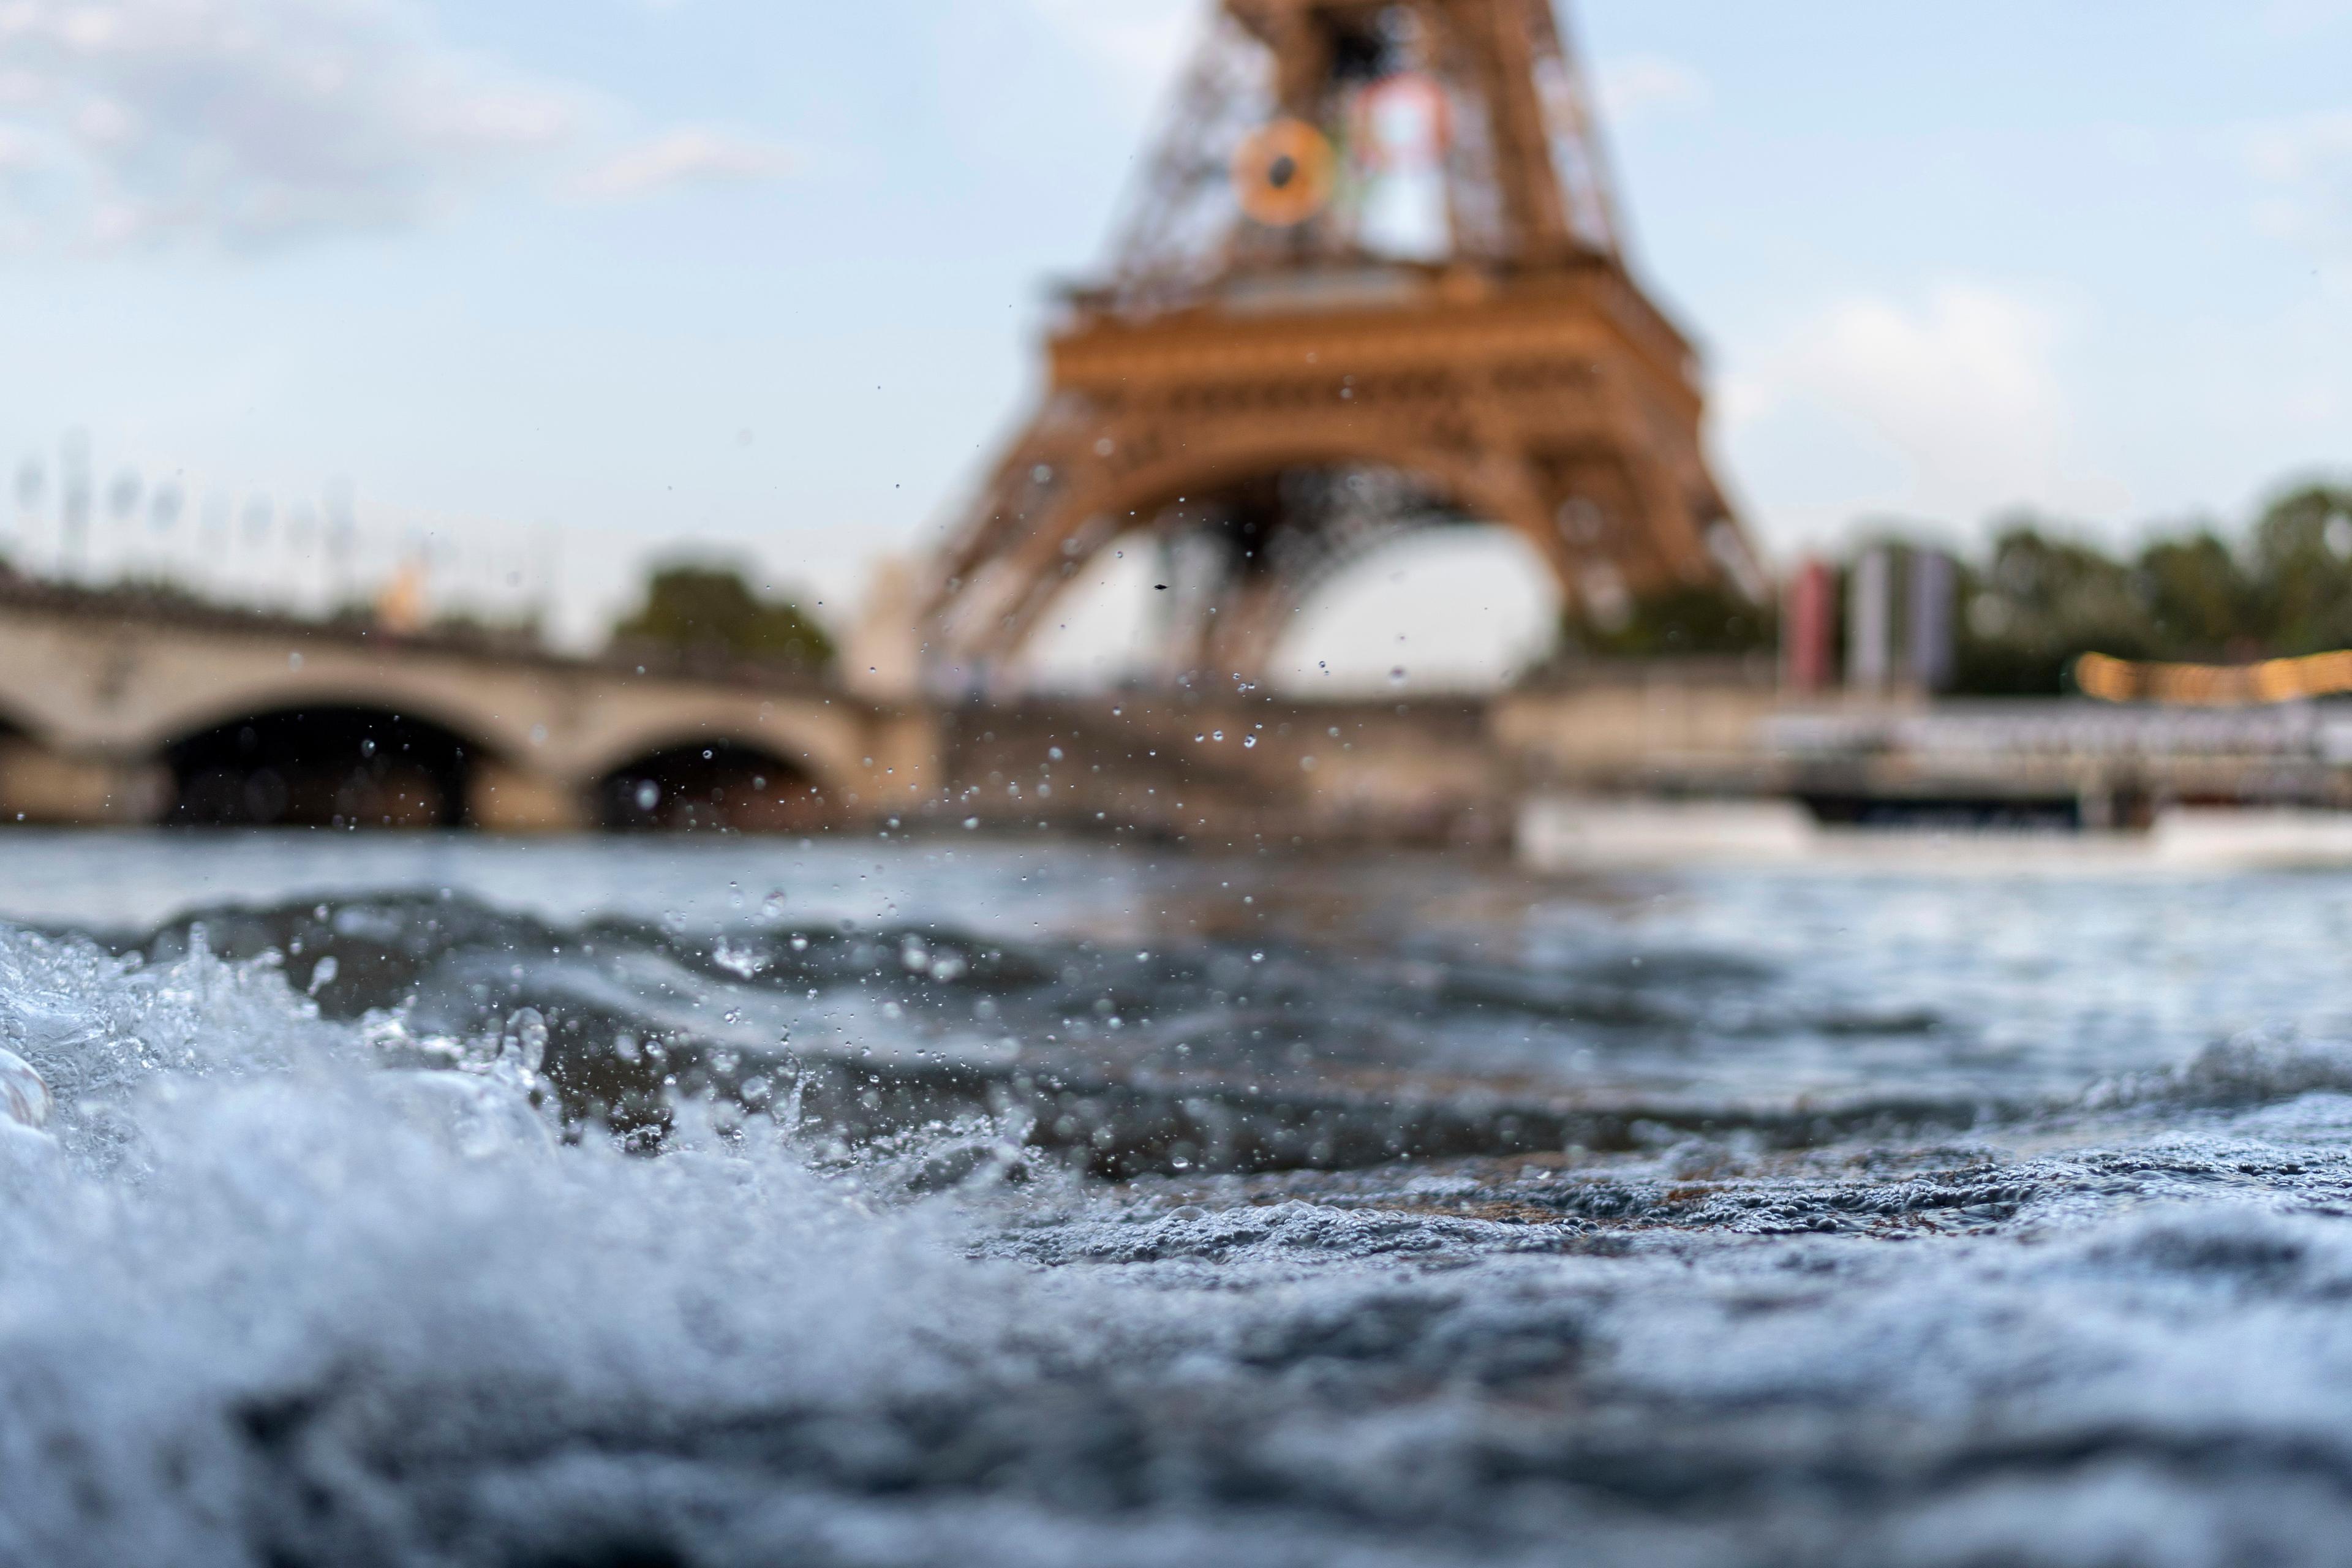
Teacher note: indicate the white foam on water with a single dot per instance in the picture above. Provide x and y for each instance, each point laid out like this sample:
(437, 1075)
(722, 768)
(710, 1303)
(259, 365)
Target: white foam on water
(266, 1299)
(258, 1226)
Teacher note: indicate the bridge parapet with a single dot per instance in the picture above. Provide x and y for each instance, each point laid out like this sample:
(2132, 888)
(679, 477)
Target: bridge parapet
(102, 696)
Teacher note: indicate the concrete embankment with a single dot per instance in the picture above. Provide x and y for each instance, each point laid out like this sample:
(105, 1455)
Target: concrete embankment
(1572, 834)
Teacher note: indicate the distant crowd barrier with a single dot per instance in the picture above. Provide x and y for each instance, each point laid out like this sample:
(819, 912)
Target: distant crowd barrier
(2214, 685)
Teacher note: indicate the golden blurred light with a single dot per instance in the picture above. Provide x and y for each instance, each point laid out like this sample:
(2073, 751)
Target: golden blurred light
(2214, 685)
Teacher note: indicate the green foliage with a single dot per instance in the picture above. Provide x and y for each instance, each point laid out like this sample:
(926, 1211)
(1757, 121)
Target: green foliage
(1681, 622)
(2200, 602)
(2043, 600)
(2037, 603)
(711, 612)
(2302, 558)
(2041, 597)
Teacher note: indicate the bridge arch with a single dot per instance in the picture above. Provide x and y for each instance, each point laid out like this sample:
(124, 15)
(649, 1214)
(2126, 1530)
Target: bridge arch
(713, 784)
(825, 740)
(1014, 593)
(432, 691)
(323, 765)
(1424, 610)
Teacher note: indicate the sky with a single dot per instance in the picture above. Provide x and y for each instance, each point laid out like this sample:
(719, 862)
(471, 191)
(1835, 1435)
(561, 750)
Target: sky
(547, 287)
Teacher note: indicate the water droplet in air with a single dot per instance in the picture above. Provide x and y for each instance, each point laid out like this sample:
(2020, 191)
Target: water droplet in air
(23, 1098)
(648, 795)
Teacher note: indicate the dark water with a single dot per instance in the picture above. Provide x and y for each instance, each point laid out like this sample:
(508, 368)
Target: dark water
(959, 1200)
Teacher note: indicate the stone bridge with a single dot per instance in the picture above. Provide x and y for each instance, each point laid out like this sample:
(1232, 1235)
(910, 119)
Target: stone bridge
(120, 708)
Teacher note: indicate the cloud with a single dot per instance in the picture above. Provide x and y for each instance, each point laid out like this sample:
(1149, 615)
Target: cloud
(239, 122)
(1636, 85)
(1961, 389)
(688, 156)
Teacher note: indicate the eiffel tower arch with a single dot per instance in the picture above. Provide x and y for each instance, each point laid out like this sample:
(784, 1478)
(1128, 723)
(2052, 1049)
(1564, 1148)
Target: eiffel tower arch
(1369, 282)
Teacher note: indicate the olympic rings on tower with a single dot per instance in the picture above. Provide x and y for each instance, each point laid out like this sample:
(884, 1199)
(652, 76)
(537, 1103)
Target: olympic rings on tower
(1284, 172)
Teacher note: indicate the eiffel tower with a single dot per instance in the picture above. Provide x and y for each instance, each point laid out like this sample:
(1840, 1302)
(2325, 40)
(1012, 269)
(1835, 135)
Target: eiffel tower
(1371, 282)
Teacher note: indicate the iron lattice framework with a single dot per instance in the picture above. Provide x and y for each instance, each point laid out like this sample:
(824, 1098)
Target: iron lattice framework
(1371, 281)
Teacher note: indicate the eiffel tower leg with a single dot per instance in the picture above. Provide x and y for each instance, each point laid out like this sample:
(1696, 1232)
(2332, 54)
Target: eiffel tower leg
(1248, 629)
(1031, 531)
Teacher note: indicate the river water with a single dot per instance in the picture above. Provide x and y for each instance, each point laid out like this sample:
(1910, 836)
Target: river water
(970, 1200)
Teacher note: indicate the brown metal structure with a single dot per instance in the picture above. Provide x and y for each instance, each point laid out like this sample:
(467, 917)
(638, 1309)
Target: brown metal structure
(1320, 331)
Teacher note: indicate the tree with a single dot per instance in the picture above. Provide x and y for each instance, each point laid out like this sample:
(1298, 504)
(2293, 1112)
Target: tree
(2301, 560)
(711, 612)
(2201, 605)
(2042, 601)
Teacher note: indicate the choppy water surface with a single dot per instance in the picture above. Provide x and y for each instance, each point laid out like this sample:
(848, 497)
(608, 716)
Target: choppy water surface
(953, 1200)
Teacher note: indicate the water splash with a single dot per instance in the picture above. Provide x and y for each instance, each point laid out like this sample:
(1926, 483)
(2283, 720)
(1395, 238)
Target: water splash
(349, 1279)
